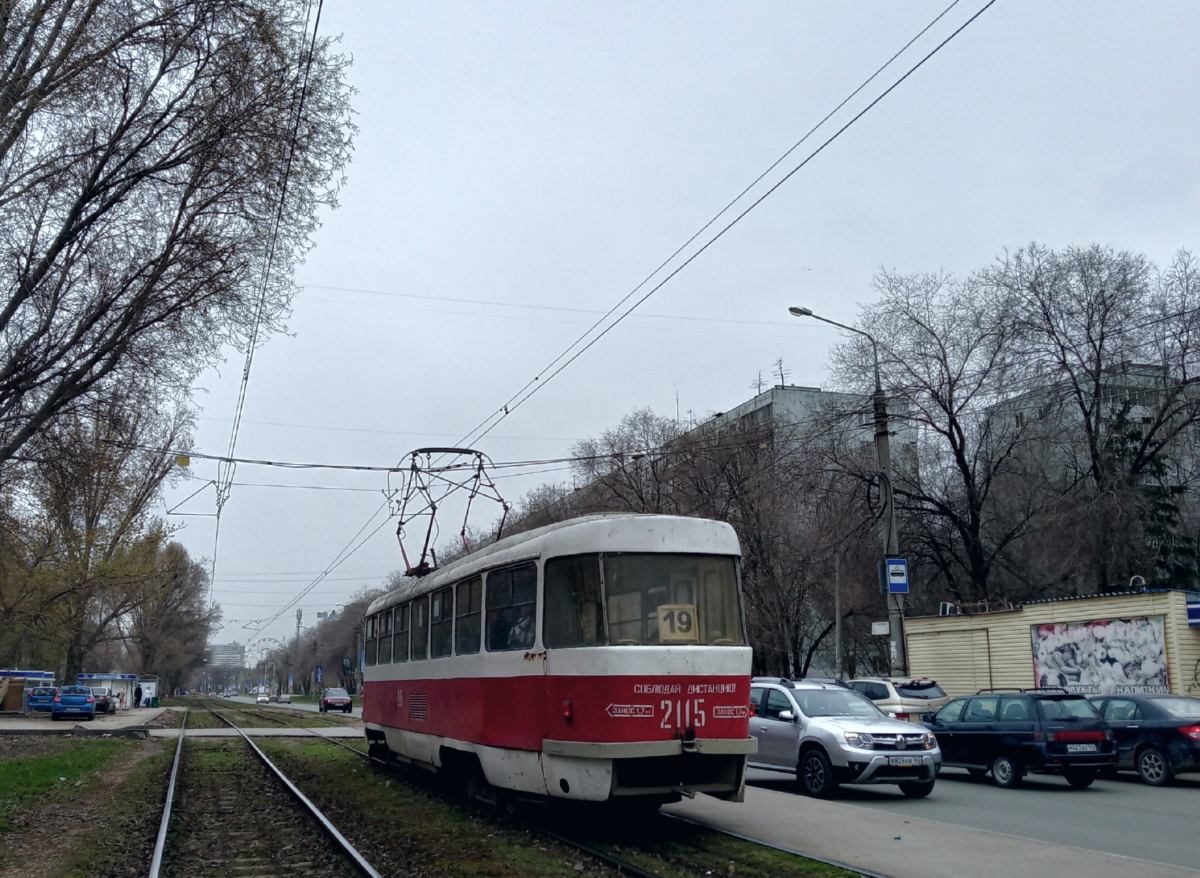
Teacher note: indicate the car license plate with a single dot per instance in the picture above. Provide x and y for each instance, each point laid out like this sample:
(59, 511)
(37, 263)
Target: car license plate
(902, 762)
(1081, 748)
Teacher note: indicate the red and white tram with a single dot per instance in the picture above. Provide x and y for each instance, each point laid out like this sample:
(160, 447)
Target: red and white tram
(596, 658)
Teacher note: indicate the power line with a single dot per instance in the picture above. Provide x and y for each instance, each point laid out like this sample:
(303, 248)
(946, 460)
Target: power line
(225, 473)
(536, 383)
(531, 387)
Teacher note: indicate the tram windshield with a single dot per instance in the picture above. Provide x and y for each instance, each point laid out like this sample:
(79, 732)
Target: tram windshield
(641, 599)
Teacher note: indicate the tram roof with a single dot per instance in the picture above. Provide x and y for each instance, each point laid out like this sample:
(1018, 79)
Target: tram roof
(621, 532)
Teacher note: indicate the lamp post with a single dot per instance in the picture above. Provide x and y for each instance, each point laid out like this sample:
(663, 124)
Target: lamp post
(888, 531)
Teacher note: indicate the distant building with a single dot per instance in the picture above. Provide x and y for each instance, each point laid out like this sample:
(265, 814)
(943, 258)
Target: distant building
(227, 655)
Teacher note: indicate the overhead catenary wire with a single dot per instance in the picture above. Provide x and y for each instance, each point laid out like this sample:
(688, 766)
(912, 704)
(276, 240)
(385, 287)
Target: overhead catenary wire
(224, 479)
(566, 358)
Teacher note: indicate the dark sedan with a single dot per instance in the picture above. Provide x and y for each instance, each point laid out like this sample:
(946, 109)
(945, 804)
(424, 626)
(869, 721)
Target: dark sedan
(335, 699)
(1158, 736)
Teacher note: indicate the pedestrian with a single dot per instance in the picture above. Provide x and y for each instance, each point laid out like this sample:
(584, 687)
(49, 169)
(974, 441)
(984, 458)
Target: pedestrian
(122, 697)
(137, 697)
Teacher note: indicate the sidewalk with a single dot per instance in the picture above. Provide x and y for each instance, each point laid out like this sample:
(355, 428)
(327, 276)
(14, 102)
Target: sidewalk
(133, 721)
(301, 732)
(903, 847)
(41, 724)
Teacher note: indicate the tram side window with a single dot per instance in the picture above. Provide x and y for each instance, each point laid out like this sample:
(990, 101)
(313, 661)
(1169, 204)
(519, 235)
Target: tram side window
(511, 608)
(372, 645)
(573, 614)
(441, 614)
(420, 628)
(385, 637)
(400, 650)
(468, 610)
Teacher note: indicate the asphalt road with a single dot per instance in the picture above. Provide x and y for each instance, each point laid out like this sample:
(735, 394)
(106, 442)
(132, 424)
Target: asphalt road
(1123, 816)
(299, 705)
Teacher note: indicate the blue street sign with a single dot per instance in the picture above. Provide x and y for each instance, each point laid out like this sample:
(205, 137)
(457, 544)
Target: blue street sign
(1193, 614)
(320, 673)
(897, 575)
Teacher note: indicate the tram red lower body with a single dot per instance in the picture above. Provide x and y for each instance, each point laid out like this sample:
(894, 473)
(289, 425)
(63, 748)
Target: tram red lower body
(520, 712)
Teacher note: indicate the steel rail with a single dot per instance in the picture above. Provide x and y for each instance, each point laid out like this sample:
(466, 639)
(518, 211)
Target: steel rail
(341, 840)
(161, 842)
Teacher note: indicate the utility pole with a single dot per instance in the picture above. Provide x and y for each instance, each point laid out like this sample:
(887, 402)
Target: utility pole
(837, 617)
(898, 659)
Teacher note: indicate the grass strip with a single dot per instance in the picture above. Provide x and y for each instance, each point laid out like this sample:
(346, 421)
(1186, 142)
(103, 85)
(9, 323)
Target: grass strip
(417, 829)
(57, 776)
(130, 828)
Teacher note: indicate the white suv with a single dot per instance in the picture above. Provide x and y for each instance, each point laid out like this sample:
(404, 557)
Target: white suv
(905, 698)
(827, 735)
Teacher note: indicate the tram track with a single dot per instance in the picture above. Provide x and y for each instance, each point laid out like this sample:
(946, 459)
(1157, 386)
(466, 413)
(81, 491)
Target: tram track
(235, 812)
(621, 865)
(598, 847)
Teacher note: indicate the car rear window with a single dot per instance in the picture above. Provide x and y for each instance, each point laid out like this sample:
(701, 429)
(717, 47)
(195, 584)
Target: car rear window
(336, 693)
(915, 689)
(1067, 708)
(45, 691)
(1180, 707)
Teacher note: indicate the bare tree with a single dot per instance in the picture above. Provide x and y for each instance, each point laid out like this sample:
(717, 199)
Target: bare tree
(158, 163)
(1113, 346)
(948, 355)
(89, 545)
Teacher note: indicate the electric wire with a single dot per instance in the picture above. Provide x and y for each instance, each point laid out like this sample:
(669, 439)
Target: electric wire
(225, 478)
(512, 402)
(536, 383)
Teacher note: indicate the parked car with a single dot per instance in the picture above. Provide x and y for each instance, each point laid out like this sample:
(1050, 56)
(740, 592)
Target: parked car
(905, 698)
(42, 698)
(1158, 736)
(828, 735)
(285, 698)
(262, 698)
(335, 699)
(73, 701)
(274, 698)
(1011, 732)
(105, 703)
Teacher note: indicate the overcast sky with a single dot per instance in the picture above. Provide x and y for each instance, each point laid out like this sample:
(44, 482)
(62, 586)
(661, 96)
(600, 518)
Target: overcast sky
(520, 167)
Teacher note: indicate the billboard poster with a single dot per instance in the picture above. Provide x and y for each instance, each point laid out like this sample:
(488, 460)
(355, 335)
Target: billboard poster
(1103, 656)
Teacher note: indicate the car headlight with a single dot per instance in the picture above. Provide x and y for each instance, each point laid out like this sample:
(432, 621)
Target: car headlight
(862, 740)
(930, 742)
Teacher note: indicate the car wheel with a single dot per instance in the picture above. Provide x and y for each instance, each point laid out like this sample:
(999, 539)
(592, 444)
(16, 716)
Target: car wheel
(815, 774)
(1006, 773)
(347, 710)
(1080, 780)
(977, 772)
(1153, 767)
(917, 789)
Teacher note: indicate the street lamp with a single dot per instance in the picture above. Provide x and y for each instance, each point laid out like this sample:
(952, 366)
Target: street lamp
(888, 530)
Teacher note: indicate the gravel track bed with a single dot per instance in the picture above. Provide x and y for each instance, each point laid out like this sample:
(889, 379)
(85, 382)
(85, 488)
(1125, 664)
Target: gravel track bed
(231, 817)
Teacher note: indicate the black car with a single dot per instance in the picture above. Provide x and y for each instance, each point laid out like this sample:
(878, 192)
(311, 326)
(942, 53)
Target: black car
(1011, 732)
(1158, 736)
